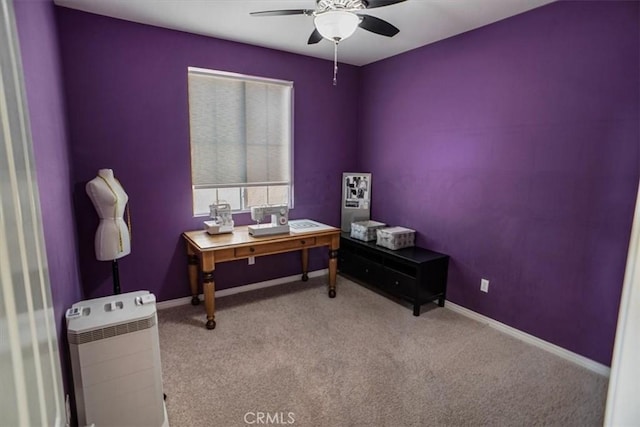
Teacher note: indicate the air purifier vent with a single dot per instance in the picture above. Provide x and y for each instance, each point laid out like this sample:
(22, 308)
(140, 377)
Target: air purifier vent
(112, 331)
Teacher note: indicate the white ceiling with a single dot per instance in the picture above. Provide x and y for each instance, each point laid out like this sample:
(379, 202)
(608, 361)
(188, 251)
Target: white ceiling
(420, 22)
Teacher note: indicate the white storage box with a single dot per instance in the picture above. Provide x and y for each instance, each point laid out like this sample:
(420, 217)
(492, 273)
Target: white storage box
(365, 230)
(395, 237)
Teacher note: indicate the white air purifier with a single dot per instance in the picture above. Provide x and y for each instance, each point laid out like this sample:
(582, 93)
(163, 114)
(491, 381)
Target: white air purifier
(115, 358)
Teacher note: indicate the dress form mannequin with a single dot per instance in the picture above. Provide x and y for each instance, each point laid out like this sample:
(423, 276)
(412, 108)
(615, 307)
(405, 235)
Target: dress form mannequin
(112, 240)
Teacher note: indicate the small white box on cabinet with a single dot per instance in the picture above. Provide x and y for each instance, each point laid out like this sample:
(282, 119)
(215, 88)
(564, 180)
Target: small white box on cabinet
(365, 230)
(395, 237)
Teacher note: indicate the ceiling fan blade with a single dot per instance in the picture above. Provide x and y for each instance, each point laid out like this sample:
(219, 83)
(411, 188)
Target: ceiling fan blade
(315, 37)
(282, 12)
(378, 26)
(371, 4)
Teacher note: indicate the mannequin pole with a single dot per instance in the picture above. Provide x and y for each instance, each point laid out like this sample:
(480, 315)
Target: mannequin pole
(116, 277)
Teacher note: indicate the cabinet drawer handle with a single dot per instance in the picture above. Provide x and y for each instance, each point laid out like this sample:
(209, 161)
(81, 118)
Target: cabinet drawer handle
(302, 242)
(252, 250)
(397, 283)
(366, 270)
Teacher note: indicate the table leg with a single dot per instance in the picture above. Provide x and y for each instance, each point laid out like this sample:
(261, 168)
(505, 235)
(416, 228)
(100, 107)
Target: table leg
(193, 275)
(305, 264)
(333, 265)
(209, 289)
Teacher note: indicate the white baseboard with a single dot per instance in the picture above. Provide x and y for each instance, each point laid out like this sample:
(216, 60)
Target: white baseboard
(244, 288)
(585, 362)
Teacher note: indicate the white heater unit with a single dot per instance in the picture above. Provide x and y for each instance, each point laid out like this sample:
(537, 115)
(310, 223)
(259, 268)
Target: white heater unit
(115, 358)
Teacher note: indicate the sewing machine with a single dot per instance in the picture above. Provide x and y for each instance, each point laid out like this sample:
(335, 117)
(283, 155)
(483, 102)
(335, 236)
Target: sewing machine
(279, 220)
(221, 221)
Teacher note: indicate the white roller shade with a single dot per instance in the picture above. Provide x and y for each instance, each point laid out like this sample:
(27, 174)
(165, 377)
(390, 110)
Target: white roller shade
(240, 129)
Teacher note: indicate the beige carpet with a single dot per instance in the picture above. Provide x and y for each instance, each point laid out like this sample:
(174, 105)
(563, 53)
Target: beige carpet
(289, 355)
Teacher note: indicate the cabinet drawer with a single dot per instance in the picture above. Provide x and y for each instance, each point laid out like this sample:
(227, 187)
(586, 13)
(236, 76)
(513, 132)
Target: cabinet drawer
(399, 283)
(361, 268)
(372, 272)
(274, 248)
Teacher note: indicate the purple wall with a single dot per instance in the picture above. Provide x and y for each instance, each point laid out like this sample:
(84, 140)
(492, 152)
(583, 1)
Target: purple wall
(126, 90)
(35, 21)
(515, 149)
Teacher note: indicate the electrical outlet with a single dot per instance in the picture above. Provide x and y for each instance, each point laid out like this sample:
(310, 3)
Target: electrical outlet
(484, 285)
(252, 260)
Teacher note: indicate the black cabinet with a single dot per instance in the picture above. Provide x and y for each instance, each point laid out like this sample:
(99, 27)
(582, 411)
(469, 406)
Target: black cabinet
(415, 274)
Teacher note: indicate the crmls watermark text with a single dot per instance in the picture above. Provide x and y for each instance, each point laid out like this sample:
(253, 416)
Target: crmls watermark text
(266, 418)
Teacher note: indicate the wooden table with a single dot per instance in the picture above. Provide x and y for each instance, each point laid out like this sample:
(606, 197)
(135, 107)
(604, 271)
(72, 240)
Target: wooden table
(205, 250)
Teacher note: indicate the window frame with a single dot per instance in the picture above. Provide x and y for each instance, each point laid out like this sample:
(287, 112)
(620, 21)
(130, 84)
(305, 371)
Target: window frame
(242, 187)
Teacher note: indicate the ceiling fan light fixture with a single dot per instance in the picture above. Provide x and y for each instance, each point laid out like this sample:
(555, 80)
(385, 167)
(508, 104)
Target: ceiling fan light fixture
(336, 25)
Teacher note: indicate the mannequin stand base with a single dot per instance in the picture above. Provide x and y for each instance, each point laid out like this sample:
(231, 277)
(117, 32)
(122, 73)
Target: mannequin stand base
(116, 277)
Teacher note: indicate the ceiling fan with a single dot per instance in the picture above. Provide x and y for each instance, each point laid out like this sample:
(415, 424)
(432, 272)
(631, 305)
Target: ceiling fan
(336, 20)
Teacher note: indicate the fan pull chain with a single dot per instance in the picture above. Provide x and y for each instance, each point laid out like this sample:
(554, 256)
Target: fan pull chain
(335, 63)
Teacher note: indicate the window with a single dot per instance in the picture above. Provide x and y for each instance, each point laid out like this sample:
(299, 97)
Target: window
(241, 140)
